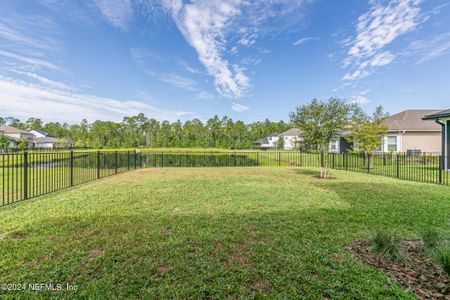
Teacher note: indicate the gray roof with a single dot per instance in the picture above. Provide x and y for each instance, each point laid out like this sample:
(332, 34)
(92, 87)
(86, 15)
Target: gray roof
(437, 115)
(292, 132)
(412, 120)
(46, 140)
(42, 132)
(11, 130)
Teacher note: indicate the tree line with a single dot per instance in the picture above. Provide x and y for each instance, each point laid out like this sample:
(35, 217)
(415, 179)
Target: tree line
(140, 131)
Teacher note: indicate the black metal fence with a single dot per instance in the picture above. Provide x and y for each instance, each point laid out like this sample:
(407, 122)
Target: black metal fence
(30, 174)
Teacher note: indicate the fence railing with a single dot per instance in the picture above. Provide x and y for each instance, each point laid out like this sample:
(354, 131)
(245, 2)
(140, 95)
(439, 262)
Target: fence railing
(26, 175)
(30, 174)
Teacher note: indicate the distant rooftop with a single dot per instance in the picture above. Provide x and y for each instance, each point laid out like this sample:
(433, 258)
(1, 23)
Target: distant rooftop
(412, 120)
(11, 130)
(291, 132)
(439, 114)
(42, 132)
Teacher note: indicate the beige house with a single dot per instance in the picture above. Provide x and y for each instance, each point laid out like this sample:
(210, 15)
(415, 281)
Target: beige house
(408, 131)
(16, 135)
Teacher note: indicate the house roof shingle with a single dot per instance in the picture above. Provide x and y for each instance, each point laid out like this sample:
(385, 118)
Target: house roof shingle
(439, 114)
(291, 132)
(412, 120)
(11, 130)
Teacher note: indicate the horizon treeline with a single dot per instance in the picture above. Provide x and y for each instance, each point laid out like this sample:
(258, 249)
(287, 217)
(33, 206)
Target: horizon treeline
(140, 131)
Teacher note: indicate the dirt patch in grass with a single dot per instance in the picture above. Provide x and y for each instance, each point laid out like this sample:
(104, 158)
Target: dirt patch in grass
(242, 257)
(18, 235)
(95, 253)
(417, 271)
(164, 268)
(241, 251)
(262, 284)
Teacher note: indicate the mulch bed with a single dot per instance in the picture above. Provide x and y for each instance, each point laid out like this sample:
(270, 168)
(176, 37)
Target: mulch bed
(417, 271)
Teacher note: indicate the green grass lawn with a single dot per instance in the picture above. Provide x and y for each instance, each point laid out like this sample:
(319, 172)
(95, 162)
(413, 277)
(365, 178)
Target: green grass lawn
(214, 233)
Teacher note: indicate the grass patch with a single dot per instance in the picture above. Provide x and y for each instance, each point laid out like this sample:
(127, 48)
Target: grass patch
(431, 239)
(443, 257)
(388, 245)
(213, 233)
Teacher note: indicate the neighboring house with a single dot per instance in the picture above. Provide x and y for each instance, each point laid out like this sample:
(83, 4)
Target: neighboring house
(44, 140)
(291, 138)
(40, 133)
(340, 144)
(35, 138)
(269, 142)
(408, 131)
(442, 120)
(16, 135)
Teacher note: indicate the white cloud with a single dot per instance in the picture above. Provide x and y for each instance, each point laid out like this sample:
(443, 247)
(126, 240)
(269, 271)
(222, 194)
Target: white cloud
(202, 95)
(24, 100)
(214, 27)
(203, 24)
(358, 74)
(382, 59)
(427, 50)
(376, 29)
(29, 60)
(360, 100)
(303, 41)
(178, 81)
(117, 12)
(45, 81)
(239, 107)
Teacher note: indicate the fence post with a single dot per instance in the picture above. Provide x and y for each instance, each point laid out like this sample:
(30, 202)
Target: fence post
(116, 162)
(368, 163)
(321, 159)
(162, 159)
(98, 164)
(346, 161)
(279, 158)
(71, 168)
(398, 165)
(440, 169)
(128, 160)
(25, 174)
(333, 159)
(257, 158)
(135, 159)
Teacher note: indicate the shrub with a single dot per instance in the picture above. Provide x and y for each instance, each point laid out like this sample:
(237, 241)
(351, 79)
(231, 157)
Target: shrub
(388, 245)
(431, 238)
(443, 257)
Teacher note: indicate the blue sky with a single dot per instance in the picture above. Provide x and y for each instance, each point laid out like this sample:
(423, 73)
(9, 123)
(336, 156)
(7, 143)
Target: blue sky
(65, 60)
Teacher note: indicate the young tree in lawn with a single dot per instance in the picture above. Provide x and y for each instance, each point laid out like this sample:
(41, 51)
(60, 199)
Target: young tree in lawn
(319, 121)
(367, 131)
(4, 141)
(280, 143)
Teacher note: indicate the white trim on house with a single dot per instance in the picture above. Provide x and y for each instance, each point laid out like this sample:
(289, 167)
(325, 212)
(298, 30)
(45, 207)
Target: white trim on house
(386, 143)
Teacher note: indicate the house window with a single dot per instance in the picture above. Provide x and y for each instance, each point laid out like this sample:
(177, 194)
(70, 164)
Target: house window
(333, 144)
(392, 143)
(380, 147)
